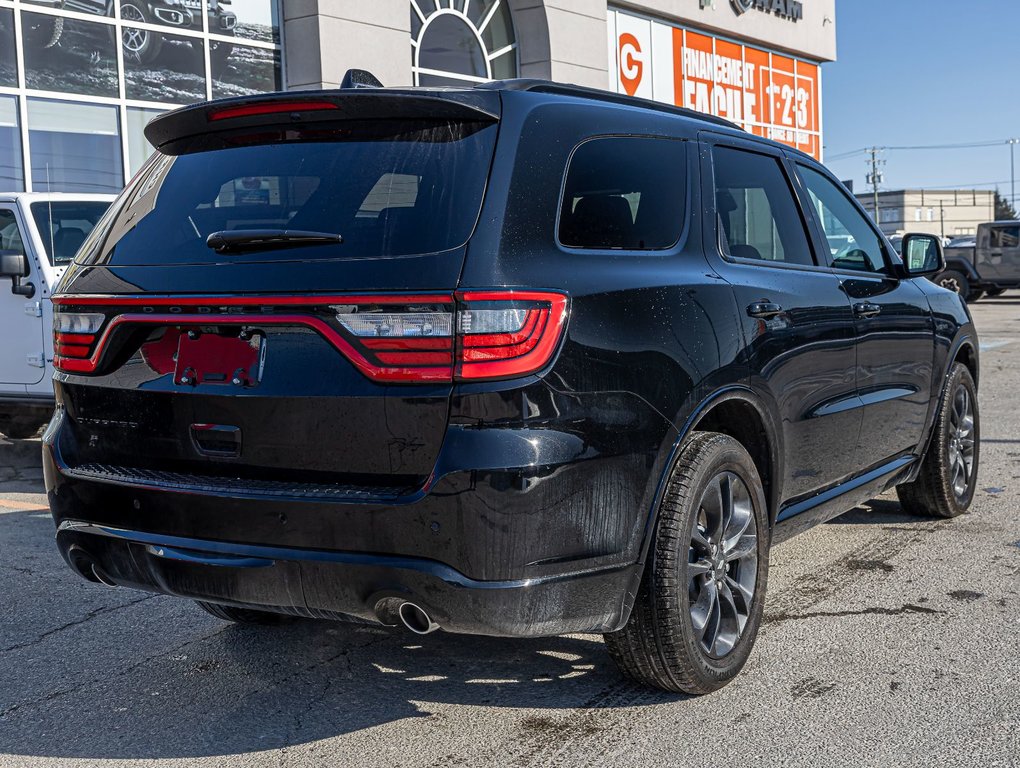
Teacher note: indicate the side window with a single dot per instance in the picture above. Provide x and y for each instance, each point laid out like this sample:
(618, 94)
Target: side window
(1004, 237)
(10, 235)
(758, 217)
(852, 241)
(625, 193)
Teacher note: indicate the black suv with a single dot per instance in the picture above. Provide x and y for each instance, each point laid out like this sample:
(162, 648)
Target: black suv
(519, 360)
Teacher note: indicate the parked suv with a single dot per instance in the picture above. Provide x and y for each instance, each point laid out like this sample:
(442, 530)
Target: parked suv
(991, 265)
(39, 234)
(520, 360)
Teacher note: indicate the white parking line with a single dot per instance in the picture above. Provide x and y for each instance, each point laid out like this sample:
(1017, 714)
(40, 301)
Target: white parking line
(994, 344)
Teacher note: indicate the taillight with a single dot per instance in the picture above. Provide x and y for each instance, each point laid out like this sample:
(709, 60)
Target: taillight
(502, 334)
(74, 338)
(474, 335)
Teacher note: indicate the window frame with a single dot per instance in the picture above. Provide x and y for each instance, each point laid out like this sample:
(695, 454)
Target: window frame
(684, 213)
(709, 141)
(894, 266)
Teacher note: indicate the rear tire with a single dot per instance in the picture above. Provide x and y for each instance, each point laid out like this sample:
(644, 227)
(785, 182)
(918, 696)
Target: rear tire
(699, 606)
(948, 476)
(241, 615)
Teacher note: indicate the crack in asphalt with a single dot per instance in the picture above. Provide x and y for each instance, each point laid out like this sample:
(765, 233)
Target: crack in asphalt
(77, 622)
(127, 670)
(908, 608)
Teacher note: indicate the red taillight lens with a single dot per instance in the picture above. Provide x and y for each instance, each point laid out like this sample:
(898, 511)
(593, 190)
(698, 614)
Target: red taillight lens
(503, 334)
(74, 336)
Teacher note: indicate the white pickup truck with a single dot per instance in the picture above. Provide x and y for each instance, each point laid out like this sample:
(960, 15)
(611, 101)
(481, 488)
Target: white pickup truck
(39, 235)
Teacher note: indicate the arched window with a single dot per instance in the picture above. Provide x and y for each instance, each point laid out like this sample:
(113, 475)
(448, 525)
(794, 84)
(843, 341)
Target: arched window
(460, 42)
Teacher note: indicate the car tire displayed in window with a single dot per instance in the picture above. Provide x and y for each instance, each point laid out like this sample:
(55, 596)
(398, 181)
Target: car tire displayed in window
(700, 603)
(947, 479)
(140, 45)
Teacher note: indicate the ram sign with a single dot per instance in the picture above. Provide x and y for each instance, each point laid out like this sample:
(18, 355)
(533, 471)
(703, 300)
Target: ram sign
(766, 93)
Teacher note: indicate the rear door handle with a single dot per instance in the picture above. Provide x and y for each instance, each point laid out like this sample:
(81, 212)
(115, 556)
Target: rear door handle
(867, 309)
(764, 310)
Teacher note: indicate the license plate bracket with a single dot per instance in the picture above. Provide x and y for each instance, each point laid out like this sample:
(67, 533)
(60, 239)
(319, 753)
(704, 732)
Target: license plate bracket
(212, 358)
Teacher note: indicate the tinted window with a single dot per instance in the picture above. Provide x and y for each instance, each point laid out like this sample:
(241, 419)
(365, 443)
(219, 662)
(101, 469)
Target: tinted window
(392, 189)
(1004, 237)
(758, 217)
(852, 241)
(10, 235)
(624, 193)
(63, 227)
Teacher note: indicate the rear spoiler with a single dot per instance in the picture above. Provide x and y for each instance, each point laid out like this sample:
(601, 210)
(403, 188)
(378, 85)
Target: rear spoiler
(299, 108)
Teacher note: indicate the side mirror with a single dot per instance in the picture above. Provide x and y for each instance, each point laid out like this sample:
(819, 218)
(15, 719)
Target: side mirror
(922, 255)
(14, 264)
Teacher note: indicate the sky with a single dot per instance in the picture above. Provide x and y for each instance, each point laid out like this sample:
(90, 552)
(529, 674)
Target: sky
(924, 72)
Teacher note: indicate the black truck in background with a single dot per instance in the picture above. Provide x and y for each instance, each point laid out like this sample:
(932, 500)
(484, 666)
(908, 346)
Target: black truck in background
(990, 267)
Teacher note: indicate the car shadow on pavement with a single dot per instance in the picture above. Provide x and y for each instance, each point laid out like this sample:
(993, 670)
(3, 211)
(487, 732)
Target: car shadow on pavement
(238, 689)
(879, 512)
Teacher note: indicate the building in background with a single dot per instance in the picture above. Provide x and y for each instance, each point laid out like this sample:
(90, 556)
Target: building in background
(945, 212)
(80, 78)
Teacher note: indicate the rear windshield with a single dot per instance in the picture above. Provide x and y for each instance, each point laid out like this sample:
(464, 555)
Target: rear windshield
(64, 225)
(391, 188)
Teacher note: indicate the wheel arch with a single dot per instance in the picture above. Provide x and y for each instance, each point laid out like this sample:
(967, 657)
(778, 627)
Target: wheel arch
(741, 413)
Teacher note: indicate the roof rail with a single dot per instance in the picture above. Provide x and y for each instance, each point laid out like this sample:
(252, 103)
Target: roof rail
(548, 86)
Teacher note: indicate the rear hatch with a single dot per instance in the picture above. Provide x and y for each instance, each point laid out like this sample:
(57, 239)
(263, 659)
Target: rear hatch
(271, 299)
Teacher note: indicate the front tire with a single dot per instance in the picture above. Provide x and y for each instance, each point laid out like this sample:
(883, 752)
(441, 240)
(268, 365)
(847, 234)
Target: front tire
(20, 427)
(948, 476)
(141, 46)
(700, 603)
(957, 282)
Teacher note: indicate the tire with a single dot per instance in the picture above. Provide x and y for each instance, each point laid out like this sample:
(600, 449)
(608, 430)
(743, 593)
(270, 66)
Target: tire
(660, 645)
(995, 292)
(140, 45)
(44, 31)
(219, 54)
(20, 427)
(955, 448)
(242, 615)
(957, 282)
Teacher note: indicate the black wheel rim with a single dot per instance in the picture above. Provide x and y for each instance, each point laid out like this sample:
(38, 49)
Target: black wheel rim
(722, 564)
(961, 441)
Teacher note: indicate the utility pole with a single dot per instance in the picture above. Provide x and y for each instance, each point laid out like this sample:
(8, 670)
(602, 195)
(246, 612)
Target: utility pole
(1012, 172)
(875, 178)
(942, 219)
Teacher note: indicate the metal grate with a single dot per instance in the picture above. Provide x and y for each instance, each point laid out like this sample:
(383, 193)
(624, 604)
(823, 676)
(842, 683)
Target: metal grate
(233, 486)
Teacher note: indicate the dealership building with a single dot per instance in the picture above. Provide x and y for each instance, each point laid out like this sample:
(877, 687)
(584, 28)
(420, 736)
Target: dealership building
(79, 79)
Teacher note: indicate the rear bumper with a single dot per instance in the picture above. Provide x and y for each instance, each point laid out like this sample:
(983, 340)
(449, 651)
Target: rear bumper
(325, 584)
(520, 532)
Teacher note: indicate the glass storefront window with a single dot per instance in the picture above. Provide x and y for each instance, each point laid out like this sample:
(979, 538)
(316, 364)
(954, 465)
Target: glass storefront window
(246, 71)
(12, 175)
(139, 149)
(462, 43)
(256, 20)
(74, 147)
(69, 55)
(8, 60)
(165, 68)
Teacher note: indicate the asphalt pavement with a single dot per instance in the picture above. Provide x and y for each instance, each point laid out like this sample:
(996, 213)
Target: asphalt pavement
(889, 640)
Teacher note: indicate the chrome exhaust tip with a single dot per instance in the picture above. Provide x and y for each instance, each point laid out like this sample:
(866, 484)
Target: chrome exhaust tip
(416, 620)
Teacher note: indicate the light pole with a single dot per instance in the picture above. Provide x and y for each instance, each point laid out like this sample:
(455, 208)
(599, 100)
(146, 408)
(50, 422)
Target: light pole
(1012, 173)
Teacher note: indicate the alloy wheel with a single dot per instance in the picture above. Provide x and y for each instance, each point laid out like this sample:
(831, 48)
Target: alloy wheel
(134, 39)
(961, 441)
(722, 568)
(951, 283)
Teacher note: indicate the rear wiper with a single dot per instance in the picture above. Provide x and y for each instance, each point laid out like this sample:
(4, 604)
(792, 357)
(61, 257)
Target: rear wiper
(238, 240)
